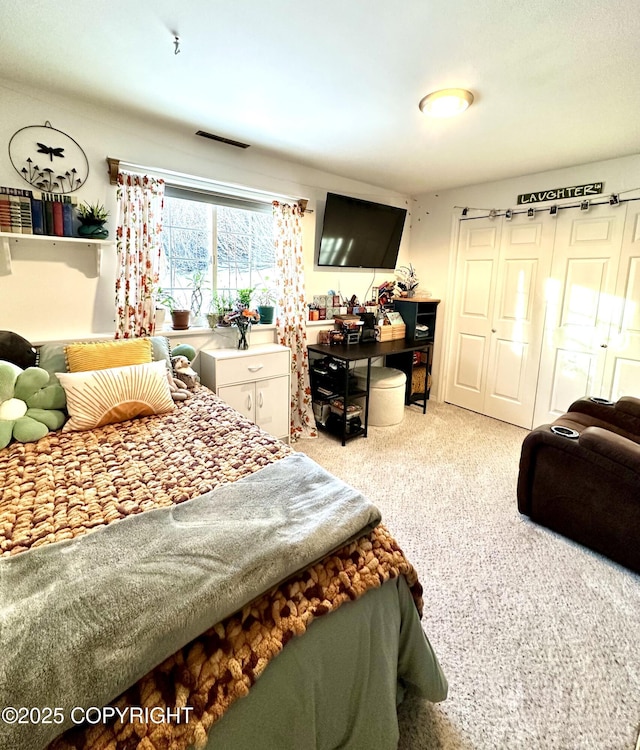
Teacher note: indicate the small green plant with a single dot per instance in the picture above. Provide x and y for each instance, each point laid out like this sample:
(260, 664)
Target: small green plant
(244, 296)
(95, 212)
(265, 297)
(164, 299)
(221, 302)
(199, 281)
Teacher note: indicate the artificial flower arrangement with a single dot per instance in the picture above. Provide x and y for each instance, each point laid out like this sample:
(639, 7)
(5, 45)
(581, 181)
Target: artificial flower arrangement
(242, 319)
(406, 281)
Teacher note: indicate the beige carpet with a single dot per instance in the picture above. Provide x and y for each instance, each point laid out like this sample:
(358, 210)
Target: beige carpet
(539, 637)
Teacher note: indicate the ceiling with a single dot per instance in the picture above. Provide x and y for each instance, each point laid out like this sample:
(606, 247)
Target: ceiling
(336, 85)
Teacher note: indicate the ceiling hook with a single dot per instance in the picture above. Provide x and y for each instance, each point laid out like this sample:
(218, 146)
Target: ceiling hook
(176, 45)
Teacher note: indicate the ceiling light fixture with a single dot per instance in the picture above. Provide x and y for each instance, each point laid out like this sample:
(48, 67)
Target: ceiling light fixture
(446, 102)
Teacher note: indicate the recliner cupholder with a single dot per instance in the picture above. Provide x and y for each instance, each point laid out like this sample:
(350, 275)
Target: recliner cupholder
(565, 431)
(598, 400)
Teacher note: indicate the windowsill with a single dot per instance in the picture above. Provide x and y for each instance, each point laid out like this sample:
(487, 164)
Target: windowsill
(171, 333)
(200, 330)
(326, 322)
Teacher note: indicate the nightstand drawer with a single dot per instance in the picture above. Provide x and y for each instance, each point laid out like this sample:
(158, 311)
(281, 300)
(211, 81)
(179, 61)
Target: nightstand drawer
(252, 367)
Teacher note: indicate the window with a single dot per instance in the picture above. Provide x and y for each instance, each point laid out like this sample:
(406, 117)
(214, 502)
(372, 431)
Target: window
(224, 243)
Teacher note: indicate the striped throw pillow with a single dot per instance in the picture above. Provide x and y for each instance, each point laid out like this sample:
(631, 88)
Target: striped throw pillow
(100, 355)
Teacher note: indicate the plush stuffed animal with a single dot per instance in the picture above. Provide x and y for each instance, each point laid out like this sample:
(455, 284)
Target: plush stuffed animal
(183, 371)
(16, 349)
(184, 350)
(29, 406)
(179, 390)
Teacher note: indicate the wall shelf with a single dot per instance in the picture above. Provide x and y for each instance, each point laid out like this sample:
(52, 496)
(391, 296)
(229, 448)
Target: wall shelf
(7, 237)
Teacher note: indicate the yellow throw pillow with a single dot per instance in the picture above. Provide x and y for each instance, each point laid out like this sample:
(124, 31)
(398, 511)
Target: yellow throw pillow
(100, 355)
(115, 394)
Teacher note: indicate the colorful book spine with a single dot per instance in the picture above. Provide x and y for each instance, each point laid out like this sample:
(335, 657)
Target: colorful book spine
(25, 212)
(67, 216)
(16, 214)
(58, 219)
(37, 218)
(47, 210)
(5, 212)
(36, 212)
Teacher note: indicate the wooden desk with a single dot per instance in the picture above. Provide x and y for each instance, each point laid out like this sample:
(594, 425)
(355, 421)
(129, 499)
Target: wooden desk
(397, 353)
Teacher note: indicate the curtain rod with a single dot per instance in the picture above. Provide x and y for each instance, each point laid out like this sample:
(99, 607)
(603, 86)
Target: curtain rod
(187, 180)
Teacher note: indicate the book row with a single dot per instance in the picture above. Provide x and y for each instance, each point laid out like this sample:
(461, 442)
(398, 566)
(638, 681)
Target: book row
(35, 212)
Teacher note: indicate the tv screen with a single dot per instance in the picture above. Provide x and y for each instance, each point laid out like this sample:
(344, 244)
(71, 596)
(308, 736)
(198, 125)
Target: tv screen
(360, 234)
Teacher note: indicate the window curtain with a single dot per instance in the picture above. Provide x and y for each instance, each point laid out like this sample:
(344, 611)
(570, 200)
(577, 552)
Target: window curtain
(138, 242)
(291, 319)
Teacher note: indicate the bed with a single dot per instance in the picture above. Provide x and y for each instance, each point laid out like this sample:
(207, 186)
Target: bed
(185, 580)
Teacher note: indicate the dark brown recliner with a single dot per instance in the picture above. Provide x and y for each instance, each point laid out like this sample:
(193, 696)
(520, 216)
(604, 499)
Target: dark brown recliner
(587, 486)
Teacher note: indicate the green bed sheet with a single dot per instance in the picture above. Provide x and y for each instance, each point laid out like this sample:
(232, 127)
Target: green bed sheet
(339, 684)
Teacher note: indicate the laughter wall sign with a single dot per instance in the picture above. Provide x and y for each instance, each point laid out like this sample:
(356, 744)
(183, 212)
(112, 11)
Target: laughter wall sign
(577, 191)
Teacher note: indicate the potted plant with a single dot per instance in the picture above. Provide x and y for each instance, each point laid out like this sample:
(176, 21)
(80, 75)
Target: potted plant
(92, 218)
(180, 315)
(199, 281)
(244, 297)
(221, 305)
(163, 302)
(265, 299)
(406, 281)
(217, 309)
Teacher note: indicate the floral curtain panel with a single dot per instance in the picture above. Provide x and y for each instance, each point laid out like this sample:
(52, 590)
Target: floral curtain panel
(291, 323)
(139, 242)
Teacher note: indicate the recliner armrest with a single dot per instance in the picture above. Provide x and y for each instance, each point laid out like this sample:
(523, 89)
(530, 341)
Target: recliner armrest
(611, 446)
(624, 414)
(629, 405)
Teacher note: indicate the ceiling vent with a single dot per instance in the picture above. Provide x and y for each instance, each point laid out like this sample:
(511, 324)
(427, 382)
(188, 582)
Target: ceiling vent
(220, 139)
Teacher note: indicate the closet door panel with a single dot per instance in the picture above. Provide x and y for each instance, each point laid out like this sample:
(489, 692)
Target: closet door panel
(573, 373)
(580, 307)
(478, 249)
(469, 358)
(517, 320)
(622, 363)
(508, 366)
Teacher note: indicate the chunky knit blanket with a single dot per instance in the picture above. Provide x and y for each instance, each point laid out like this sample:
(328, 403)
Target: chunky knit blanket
(69, 484)
(221, 665)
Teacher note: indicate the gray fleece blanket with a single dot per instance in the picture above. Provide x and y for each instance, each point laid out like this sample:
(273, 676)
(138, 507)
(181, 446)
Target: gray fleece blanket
(82, 620)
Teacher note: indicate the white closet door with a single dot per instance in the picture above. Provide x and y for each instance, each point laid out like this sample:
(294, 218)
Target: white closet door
(518, 318)
(622, 361)
(478, 250)
(581, 307)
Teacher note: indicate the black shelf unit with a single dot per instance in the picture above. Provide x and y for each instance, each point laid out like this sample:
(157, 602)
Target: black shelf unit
(332, 378)
(416, 365)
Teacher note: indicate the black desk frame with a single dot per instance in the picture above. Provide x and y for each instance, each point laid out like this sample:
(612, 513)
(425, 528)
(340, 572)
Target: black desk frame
(372, 350)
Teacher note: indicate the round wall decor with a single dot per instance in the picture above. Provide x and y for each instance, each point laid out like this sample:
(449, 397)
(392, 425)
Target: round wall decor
(48, 159)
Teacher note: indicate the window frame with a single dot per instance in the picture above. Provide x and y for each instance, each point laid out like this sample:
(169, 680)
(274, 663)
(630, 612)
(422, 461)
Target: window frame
(215, 199)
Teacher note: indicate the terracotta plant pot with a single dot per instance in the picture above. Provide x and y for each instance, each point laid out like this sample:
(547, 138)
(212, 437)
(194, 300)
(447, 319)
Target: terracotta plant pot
(180, 319)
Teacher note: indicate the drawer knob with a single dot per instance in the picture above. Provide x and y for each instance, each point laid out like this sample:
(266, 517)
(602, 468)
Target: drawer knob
(255, 368)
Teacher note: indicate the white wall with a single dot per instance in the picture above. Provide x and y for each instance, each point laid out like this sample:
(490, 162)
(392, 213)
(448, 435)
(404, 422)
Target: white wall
(435, 219)
(54, 291)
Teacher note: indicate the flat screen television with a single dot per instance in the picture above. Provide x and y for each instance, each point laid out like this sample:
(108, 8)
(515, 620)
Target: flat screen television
(360, 234)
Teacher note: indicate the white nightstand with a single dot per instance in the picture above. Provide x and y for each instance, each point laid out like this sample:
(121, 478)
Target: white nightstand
(255, 381)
